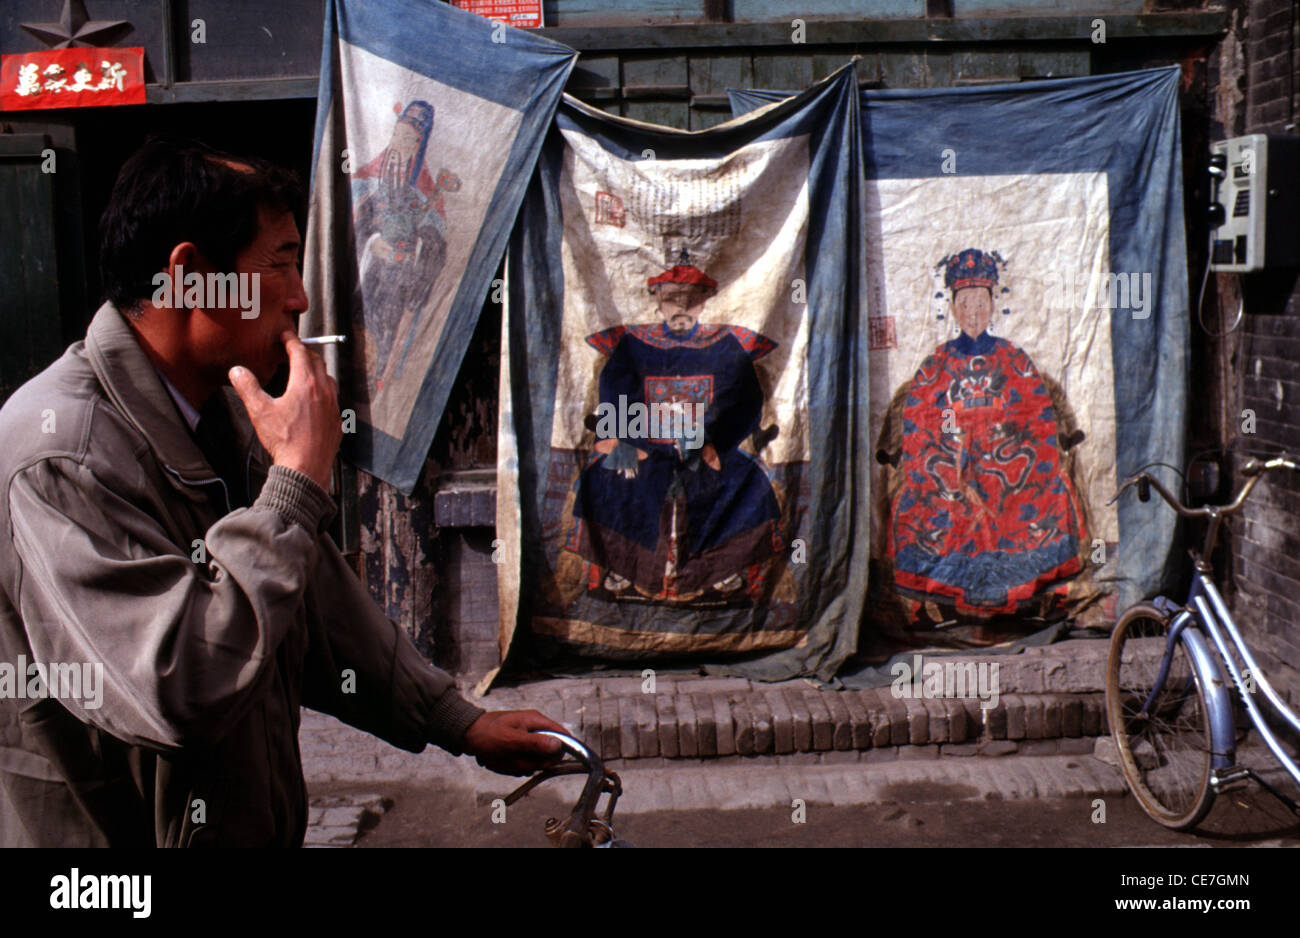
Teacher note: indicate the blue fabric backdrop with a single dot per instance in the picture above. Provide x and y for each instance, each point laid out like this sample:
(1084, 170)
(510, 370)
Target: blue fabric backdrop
(428, 124)
(1127, 127)
(799, 609)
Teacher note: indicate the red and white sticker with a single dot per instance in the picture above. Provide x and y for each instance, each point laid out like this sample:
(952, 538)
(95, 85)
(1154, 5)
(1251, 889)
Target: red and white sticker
(78, 77)
(522, 14)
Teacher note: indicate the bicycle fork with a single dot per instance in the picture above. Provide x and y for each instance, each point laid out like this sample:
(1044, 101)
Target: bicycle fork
(1223, 742)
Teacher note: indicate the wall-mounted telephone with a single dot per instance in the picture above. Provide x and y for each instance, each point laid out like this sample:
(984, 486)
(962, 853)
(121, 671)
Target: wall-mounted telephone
(1255, 205)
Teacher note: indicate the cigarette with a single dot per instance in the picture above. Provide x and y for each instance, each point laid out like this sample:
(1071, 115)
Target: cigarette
(325, 340)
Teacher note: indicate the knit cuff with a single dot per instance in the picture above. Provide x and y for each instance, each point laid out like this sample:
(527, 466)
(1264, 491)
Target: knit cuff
(296, 498)
(450, 718)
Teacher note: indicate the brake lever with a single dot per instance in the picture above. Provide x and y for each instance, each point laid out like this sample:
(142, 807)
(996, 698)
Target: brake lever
(581, 828)
(564, 768)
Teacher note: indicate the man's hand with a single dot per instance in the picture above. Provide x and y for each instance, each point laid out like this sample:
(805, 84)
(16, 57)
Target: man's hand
(502, 741)
(301, 429)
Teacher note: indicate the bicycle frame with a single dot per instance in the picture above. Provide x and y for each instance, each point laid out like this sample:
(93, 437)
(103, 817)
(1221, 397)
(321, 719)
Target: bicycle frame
(1206, 608)
(1196, 625)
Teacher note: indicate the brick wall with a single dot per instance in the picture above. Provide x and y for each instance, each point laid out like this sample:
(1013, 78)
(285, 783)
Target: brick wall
(465, 629)
(1257, 95)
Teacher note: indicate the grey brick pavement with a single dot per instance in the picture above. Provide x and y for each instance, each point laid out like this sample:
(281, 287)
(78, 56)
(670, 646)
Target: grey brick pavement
(699, 743)
(343, 754)
(335, 821)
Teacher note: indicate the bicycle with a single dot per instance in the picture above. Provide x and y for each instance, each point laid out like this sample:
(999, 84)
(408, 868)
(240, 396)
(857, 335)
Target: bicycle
(1175, 726)
(582, 828)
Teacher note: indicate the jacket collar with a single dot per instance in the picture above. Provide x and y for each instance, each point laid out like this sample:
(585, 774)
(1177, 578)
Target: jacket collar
(135, 387)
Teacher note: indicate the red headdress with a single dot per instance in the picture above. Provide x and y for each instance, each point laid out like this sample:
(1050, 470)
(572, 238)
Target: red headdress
(684, 272)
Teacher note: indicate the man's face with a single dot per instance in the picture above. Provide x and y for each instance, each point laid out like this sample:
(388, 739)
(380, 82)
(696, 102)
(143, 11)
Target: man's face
(222, 337)
(973, 307)
(402, 148)
(680, 304)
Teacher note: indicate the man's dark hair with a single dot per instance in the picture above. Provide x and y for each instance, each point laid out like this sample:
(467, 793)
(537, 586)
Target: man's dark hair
(173, 190)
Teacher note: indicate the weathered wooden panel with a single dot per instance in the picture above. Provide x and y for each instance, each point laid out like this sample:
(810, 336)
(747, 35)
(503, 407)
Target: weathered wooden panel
(714, 74)
(1025, 7)
(904, 69)
(823, 65)
(668, 72)
(1073, 28)
(31, 333)
(783, 71)
(711, 76)
(399, 554)
(938, 68)
(625, 12)
(668, 113)
(869, 73)
(657, 89)
(594, 13)
(701, 120)
(1062, 63)
(984, 65)
(255, 40)
(759, 10)
(595, 78)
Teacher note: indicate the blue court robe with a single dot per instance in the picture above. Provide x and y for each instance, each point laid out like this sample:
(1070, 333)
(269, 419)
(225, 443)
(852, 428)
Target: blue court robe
(725, 519)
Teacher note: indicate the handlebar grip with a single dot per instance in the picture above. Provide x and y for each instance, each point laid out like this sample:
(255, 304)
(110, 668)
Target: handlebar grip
(1144, 489)
(1253, 467)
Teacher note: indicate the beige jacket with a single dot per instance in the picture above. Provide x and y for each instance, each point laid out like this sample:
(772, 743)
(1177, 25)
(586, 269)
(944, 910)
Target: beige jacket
(210, 627)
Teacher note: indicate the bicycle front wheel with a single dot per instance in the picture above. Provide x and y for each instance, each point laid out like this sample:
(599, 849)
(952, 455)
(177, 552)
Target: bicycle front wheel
(1164, 750)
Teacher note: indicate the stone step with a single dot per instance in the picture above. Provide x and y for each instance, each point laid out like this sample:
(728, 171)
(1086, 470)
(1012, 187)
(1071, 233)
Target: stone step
(1048, 699)
(1074, 666)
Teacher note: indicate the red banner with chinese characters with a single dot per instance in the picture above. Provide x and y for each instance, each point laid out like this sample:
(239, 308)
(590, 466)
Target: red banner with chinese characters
(84, 77)
(522, 14)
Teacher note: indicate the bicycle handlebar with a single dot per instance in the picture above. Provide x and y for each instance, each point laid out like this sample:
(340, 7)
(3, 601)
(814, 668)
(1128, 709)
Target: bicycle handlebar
(1253, 469)
(582, 828)
(576, 748)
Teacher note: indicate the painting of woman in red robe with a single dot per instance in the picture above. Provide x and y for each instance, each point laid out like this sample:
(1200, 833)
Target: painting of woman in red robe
(985, 519)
